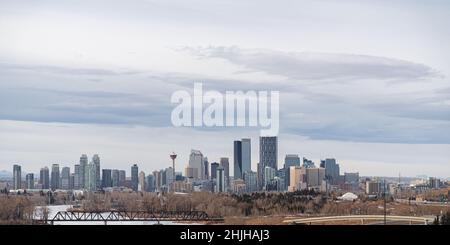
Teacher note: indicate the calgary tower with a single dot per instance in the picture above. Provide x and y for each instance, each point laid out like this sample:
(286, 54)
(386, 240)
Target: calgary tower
(173, 156)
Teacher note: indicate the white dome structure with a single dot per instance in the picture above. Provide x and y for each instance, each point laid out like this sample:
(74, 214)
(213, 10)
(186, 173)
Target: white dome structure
(348, 197)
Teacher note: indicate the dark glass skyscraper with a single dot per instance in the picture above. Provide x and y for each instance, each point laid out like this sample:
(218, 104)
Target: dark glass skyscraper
(214, 167)
(206, 167)
(122, 177)
(268, 153)
(44, 178)
(150, 185)
(106, 178)
(237, 160)
(115, 177)
(55, 177)
(30, 181)
(134, 177)
(331, 170)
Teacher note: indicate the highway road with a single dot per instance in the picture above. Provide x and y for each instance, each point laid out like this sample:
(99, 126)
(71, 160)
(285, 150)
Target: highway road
(363, 219)
(427, 203)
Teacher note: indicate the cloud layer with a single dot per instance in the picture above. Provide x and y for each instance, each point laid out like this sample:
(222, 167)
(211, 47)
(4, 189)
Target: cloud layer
(317, 66)
(370, 91)
(323, 96)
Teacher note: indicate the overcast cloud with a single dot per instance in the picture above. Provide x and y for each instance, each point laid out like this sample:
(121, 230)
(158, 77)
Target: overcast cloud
(354, 84)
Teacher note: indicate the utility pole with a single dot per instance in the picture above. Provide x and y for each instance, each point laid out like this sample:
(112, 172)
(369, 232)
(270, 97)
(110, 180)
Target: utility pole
(384, 195)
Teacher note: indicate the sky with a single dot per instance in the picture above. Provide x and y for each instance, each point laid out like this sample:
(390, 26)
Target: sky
(365, 82)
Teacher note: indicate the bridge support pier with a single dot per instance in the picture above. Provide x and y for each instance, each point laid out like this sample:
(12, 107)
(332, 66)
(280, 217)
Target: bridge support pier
(105, 222)
(362, 221)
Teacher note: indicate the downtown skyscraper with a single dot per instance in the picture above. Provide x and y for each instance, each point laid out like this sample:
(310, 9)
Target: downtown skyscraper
(54, 182)
(332, 171)
(82, 171)
(65, 178)
(90, 177)
(107, 178)
(237, 159)
(214, 167)
(225, 163)
(29, 178)
(115, 177)
(122, 177)
(44, 178)
(220, 179)
(77, 184)
(242, 160)
(134, 177)
(289, 161)
(246, 155)
(17, 177)
(96, 162)
(141, 185)
(196, 163)
(268, 156)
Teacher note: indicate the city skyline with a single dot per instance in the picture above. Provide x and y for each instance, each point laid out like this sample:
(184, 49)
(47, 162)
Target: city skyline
(322, 162)
(82, 78)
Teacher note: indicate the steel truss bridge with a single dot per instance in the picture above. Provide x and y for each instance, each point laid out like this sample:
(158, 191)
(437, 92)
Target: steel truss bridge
(114, 216)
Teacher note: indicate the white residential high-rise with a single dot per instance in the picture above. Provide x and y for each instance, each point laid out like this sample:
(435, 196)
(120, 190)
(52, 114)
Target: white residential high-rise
(82, 172)
(96, 162)
(90, 177)
(141, 181)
